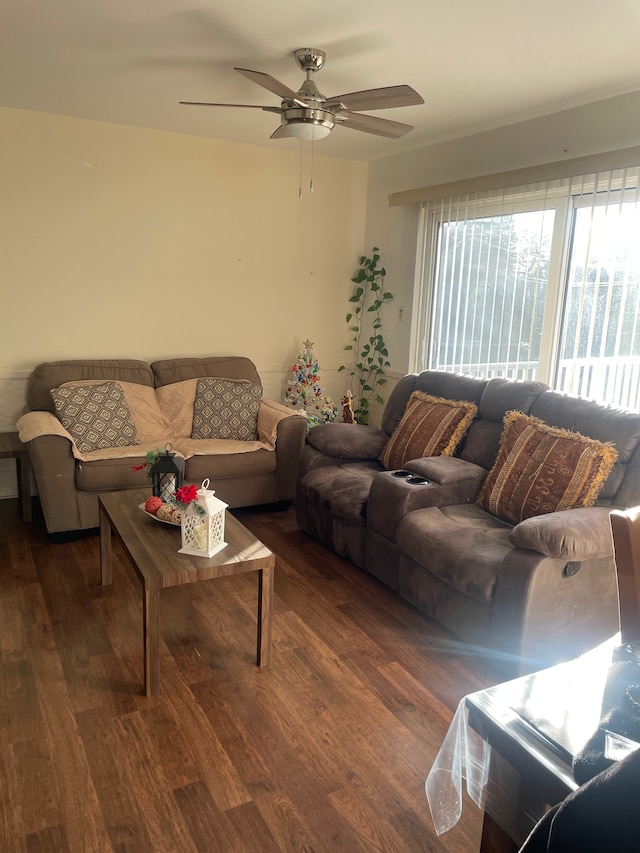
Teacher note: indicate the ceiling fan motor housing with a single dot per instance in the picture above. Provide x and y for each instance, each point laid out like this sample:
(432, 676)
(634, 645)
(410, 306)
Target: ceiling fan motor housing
(310, 58)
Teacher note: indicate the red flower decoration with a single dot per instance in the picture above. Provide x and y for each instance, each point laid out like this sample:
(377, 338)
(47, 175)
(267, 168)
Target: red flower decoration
(186, 494)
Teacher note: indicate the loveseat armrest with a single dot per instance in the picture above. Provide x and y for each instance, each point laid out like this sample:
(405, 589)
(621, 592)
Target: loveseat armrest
(270, 417)
(54, 466)
(34, 424)
(572, 534)
(286, 429)
(348, 441)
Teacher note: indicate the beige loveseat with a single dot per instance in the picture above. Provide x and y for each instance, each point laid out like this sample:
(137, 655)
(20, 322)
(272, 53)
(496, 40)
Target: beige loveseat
(160, 399)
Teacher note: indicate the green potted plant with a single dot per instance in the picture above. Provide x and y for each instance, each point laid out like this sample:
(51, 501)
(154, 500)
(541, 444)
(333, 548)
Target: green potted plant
(370, 354)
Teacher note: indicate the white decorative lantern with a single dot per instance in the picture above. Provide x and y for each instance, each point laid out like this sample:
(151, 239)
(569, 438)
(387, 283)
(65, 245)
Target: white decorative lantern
(202, 524)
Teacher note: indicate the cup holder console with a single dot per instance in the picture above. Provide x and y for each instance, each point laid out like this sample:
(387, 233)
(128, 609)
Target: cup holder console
(414, 479)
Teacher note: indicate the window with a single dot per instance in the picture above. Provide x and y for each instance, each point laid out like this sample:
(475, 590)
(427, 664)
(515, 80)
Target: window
(538, 282)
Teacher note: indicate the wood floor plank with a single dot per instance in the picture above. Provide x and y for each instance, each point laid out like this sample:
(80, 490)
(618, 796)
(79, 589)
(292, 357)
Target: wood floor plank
(206, 825)
(204, 744)
(53, 839)
(77, 803)
(325, 749)
(296, 829)
(375, 831)
(251, 829)
(409, 826)
(12, 829)
(123, 786)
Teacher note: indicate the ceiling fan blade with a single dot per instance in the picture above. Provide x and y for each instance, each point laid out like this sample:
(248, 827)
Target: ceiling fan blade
(373, 124)
(378, 99)
(280, 133)
(273, 85)
(243, 106)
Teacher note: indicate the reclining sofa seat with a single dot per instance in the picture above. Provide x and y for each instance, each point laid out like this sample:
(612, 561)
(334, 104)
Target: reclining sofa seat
(538, 592)
(68, 487)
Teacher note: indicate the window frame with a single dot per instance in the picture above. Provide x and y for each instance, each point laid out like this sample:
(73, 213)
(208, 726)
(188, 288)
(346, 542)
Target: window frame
(564, 198)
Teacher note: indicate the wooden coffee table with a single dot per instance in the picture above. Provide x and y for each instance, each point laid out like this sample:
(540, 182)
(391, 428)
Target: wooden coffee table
(153, 547)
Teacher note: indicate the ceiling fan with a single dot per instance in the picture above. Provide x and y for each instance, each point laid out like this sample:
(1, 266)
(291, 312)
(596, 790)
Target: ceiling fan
(307, 114)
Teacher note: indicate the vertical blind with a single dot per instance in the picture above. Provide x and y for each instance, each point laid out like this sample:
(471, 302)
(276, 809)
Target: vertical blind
(536, 281)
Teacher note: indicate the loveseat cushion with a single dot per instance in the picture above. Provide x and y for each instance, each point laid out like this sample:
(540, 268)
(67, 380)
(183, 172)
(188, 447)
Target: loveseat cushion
(171, 370)
(95, 415)
(461, 545)
(430, 426)
(226, 408)
(542, 469)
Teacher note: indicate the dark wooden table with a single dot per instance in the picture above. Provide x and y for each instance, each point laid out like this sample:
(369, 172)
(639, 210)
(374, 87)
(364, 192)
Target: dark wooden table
(153, 547)
(528, 771)
(12, 448)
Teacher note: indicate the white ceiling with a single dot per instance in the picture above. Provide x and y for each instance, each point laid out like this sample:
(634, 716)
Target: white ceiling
(478, 65)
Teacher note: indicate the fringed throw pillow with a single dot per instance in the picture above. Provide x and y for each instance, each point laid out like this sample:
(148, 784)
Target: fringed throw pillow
(541, 469)
(430, 426)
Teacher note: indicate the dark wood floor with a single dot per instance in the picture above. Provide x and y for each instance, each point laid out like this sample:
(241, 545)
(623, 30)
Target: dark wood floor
(326, 749)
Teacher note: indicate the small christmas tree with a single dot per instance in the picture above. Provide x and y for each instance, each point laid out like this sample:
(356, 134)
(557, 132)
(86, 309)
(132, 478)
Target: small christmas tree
(304, 391)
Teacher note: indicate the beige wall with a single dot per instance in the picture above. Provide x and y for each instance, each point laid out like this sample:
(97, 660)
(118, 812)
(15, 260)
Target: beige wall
(603, 126)
(125, 242)
(176, 245)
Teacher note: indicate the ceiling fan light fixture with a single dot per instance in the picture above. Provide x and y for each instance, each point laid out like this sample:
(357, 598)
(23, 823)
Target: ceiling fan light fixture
(308, 124)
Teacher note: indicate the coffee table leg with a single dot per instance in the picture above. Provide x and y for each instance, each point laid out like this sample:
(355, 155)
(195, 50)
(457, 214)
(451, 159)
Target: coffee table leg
(265, 608)
(150, 619)
(105, 549)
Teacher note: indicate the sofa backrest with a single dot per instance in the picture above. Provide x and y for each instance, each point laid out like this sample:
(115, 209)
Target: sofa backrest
(494, 398)
(438, 383)
(172, 370)
(49, 375)
(499, 397)
(604, 423)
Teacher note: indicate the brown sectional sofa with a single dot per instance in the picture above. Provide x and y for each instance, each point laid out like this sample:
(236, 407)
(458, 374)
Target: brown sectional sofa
(534, 593)
(160, 397)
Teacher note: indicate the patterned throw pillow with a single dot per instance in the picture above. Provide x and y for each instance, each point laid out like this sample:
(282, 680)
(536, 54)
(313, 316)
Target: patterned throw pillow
(96, 416)
(226, 408)
(430, 426)
(542, 469)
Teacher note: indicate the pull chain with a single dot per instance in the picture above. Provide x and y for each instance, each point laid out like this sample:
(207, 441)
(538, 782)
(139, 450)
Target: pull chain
(313, 139)
(300, 180)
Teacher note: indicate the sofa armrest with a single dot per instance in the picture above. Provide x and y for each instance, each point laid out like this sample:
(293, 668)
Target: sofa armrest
(572, 534)
(284, 429)
(348, 441)
(54, 468)
(451, 481)
(545, 612)
(34, 424)
(270, 415)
